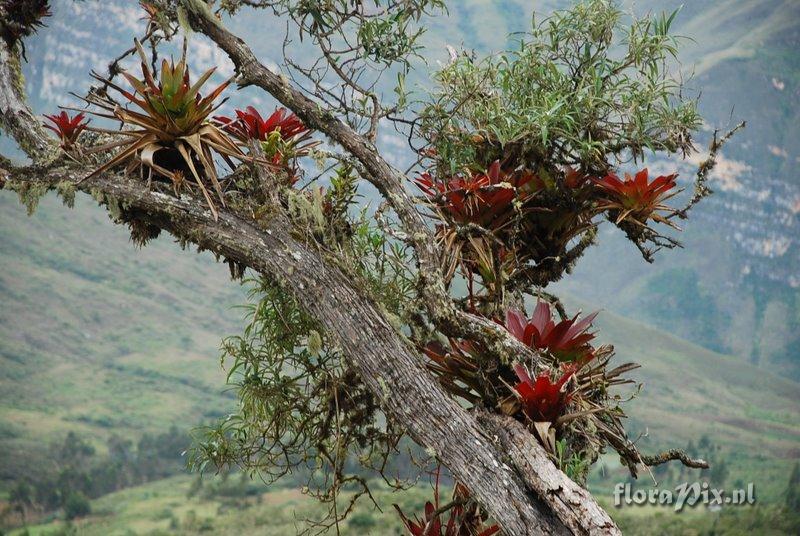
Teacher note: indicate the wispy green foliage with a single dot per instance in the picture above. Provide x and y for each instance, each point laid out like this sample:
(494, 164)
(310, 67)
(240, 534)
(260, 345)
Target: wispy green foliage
(385, 30)
(333, 218)
(582, 88)
(302, 408)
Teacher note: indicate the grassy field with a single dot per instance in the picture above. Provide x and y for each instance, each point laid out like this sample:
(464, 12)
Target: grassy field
(164, 508)
(100, 338)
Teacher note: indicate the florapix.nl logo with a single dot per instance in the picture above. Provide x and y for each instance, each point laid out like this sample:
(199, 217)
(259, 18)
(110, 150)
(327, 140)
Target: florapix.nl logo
(685, 494)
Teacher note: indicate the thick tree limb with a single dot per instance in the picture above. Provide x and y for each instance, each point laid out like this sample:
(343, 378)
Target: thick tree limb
(15, 116)
(389, 366)
(573, 505)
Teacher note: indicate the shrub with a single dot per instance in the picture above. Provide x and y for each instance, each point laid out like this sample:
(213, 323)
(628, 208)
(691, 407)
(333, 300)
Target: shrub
(76, 505)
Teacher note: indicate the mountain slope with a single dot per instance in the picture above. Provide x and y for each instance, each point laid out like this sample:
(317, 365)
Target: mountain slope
(100, 338)
(690, 391)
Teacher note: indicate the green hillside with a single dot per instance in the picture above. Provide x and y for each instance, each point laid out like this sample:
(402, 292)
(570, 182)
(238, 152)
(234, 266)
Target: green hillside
(689, 391)
(99, 338)
(751, 417)
(170, 507)
(164, 508)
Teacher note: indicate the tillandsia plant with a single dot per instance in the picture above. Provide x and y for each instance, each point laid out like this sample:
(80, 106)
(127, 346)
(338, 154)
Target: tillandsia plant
(631, 202)
(476, 211)
(171, 136)
(67, 128)
(498, 222)
(485, 199)
(21, 19)
(566, 340)
(569, 402)
(543, 400)
(282, 136)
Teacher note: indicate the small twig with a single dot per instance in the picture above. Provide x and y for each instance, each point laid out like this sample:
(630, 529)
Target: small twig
(674, 454)
(704, 168)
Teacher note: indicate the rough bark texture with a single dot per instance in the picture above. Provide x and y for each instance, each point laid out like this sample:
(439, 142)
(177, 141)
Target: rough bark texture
(573, 505)
(15, 116)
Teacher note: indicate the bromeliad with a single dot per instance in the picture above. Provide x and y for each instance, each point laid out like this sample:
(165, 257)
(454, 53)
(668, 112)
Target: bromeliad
(456, 368)
(282, 135)
(485, 199)
(543, 400)
(22, 20)
(67, 128)
(170, 134)
(637, 197)
(566, 340)
(249, 125)
(464, 518)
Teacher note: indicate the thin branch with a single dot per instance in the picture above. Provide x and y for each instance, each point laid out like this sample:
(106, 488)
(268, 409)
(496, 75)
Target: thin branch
(674, 454)
(701, 190)
(389, 182)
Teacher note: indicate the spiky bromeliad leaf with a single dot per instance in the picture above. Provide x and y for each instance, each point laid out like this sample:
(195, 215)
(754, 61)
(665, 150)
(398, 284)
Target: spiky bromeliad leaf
(282, 136)
(543, 400)
(170, 134)
(566, 340)
(464, 518)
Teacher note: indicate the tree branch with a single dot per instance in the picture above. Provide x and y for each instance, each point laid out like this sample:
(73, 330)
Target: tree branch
(388, 365)
(571, 503)
(390, 368)
(389, 182)
(674, 454)
(16, 118)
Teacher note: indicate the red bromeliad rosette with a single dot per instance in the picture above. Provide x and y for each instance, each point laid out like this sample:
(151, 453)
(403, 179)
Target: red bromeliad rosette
(637, 197)
(249, 125)
(543, 400)
(67, 128)
(485, 199)
(282, 135)
(566, 340)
